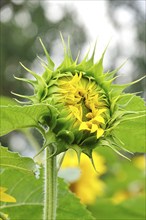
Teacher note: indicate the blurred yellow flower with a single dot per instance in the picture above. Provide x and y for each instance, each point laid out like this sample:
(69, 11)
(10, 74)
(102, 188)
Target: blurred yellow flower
(120, 196)
(139, 162)
(88, 184)
(4, 197)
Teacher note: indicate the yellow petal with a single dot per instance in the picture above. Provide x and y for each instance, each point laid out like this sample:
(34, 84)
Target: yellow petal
(83, 126)
(77, 113)
(89, 115)
(101, 111)
(94, 128)
(4, 197)
(100, 132)
(76, 78)
(99, 119)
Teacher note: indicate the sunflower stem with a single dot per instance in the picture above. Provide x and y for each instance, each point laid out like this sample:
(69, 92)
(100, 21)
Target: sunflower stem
(50, 200)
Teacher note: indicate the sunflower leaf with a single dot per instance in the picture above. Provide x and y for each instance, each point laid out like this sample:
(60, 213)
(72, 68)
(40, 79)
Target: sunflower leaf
(16, 117)
(132, 132)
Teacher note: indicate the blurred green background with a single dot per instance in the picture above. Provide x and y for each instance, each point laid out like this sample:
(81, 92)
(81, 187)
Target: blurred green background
(24, 21)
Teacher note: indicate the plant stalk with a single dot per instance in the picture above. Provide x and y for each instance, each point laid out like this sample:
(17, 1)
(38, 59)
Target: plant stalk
(50, 200)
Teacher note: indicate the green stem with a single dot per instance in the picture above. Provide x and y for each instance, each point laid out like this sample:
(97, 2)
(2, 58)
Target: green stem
(50, 201)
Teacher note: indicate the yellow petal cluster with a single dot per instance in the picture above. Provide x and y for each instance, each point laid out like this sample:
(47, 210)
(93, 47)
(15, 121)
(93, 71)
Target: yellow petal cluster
(89, 185)
(83, 98)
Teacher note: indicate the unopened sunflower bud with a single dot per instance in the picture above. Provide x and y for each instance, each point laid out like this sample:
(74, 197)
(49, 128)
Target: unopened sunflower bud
(83, 107)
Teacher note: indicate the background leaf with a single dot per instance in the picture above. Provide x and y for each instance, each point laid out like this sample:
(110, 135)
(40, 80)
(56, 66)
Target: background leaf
(133, 208)
(16, 117)
(132, 132)
(28, 192)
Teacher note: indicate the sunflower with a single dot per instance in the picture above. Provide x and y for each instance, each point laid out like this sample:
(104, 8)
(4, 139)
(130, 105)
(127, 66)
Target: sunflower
(86, 183)
(84, 106)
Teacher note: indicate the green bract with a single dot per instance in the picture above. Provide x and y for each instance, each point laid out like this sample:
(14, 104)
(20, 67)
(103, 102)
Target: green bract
(85, 108)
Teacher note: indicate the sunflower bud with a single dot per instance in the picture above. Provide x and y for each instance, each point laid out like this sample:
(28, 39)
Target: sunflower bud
(83, 107)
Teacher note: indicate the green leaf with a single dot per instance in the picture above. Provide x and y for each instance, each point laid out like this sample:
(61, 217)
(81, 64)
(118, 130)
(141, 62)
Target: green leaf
(132, 131)
(132, 102)
(11, 160)
(132, 134)
(69, 207)
(132, 209)
(28, 192)
(16, 117)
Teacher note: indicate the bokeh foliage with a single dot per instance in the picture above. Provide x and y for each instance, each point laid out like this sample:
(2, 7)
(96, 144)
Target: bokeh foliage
(137, 24)
(19, 37)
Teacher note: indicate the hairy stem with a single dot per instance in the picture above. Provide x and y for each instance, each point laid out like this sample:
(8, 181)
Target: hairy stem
(50, 200)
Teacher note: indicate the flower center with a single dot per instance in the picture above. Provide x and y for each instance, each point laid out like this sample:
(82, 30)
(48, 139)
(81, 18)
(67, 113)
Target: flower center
(85, 100)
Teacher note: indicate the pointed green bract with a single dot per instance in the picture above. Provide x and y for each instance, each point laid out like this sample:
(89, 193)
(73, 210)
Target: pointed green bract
(50, 62)
(87, 109)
